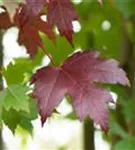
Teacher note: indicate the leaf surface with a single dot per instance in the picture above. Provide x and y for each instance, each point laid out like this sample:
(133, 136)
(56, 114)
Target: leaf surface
(36, 6)
(5, 21)
(62, 14)
(14, 96)
(14, 73)
(77, 77)
(12, 118)
(29, 28)
(49, 80)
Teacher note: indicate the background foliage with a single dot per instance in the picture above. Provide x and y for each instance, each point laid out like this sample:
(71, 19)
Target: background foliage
(108, 28)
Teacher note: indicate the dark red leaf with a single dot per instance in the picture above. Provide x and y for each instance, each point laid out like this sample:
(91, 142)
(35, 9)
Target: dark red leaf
(77, 77)
(45, 28)
(36, 6)
(51, 86)
(91, 101)
(5, 21)
(62, 13)
(95, 69)
(29, 28)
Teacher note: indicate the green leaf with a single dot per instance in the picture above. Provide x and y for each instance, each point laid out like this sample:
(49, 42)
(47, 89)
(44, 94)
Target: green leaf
(60, 50)
(71, 116)
(14, 96)
(115, 128)
(126, 101)
(21, 71)
(129, 110)
(14, 74)
(37, 61)
(92, 22)
(13, 118)
(27, 125)
(33, 113)
(2, 97)
(126, 144)
(126, 7)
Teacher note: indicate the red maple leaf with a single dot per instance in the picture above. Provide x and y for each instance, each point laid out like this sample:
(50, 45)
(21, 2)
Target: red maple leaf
(62, 13)
(29, 28)
(36, 6)
(5, 21)
(77, 77)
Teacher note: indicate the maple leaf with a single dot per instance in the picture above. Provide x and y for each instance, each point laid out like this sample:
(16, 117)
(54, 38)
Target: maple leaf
(12, 117)
(61, 13)
(5, 21)
(50, 89)
(77, 77)
(29, 28)
(13, 97)
(36, 6)
(91, 101)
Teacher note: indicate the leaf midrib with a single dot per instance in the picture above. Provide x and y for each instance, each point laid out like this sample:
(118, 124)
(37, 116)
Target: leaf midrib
(12, 93)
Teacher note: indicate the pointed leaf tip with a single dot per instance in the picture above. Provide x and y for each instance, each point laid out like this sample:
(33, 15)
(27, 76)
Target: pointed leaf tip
(77, 77)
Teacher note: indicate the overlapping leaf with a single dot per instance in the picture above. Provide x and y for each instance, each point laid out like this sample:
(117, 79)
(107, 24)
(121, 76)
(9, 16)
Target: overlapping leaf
(62, 13)
(15, 96)
(18, 71)
(77, 77)
(16, 108)
(29, 30)
(13, 118)
(29, 27)
(28, 19)
(59, 13)
(36, 6)
(5, 21)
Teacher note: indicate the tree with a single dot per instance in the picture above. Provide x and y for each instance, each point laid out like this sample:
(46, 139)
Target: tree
(86, 77)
